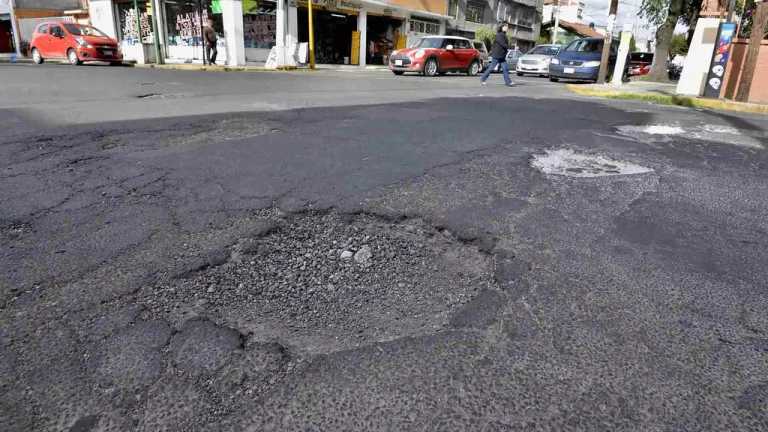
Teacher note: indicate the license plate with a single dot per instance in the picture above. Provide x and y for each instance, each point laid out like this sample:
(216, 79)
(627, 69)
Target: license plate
(398, 62)
(569, 70)
(108, 53)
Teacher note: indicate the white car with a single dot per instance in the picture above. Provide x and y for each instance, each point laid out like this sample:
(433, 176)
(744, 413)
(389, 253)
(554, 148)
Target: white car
(536, 61)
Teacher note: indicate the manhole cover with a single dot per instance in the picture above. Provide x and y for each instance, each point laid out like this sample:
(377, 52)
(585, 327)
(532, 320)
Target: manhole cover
(572, 164)
(325, 282)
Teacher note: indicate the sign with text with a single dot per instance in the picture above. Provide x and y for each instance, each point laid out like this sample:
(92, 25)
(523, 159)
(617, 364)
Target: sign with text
(720, 56)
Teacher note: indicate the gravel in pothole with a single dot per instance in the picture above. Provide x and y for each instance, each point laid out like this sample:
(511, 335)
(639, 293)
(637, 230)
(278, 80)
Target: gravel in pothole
(324, 282)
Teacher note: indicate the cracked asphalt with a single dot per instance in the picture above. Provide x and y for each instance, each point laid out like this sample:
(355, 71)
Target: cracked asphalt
(353, 251)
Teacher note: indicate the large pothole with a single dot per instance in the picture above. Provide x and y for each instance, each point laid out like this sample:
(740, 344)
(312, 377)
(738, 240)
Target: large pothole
(568, 163)
(324, 282)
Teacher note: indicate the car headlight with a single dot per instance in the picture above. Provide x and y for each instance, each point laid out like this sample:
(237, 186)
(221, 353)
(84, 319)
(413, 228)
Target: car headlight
(82, 42)
(555, 61)
(591, 64)
(420, 53)
(394, 53)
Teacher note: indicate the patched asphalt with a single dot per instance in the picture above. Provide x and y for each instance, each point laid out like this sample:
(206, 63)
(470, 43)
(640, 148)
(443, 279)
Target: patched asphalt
(401, 266)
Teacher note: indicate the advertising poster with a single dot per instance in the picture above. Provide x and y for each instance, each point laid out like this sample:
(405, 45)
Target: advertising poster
(720, 56)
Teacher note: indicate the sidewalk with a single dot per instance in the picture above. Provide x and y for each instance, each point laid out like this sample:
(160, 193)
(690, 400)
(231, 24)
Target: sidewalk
(664, 94)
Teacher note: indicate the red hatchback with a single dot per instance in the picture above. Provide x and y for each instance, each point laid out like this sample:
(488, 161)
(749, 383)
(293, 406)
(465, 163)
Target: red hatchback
(75, 42)
(435, 55)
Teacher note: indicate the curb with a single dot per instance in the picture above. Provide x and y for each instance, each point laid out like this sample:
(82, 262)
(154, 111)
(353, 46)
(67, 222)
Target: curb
(664, 99)
(202, 68)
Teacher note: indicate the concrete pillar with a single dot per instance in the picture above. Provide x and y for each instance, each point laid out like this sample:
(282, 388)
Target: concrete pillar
(102, 16)
(14, 28)
(232, 16)
(292, 34)
(362, 27)
(281, 23)
(699, 56)
(442, 27)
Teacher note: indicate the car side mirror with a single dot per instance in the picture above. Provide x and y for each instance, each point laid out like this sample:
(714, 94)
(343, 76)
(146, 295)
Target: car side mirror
(449, 47)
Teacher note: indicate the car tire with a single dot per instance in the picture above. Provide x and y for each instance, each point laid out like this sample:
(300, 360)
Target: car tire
(553, 79)
(72, 57)
(36, 57)
(431, 68)
(474, 68)
(398, 73)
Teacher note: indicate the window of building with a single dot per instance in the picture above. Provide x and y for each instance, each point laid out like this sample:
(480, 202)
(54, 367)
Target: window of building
(260, 26)
(422, 26)
(453, 8)
(475, 11)
(133, 23)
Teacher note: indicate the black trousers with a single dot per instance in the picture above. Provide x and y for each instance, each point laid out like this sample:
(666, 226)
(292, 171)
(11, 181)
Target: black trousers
(210, 51)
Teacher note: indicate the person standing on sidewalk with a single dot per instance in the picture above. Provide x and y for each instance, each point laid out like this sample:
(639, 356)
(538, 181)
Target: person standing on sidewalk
(210, 38)
(499, 56)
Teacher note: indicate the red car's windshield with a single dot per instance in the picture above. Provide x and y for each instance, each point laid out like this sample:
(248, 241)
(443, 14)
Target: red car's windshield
(430, 43)
(82, 30)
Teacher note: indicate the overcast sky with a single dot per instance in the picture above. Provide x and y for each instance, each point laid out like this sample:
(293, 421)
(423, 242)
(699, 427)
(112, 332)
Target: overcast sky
(597, 12)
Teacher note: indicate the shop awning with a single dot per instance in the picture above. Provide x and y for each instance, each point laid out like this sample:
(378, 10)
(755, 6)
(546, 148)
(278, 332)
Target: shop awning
(417, 13)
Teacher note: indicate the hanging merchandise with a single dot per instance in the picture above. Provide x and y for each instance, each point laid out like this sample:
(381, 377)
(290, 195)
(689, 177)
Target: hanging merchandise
(250, 6)
(215, 6)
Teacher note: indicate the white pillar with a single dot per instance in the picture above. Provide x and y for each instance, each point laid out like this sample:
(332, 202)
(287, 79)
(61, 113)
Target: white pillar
(694, 74)
(232, 16)
(102, 17)
(280, 25)
(14, 28)
(362, 27)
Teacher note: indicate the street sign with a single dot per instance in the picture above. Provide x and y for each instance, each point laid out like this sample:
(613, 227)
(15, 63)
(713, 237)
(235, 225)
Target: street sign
(720, 56)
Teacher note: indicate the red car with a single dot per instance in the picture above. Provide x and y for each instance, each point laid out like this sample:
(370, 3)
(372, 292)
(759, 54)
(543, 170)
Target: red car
(640, 63)
(435, 55)
(75, 42)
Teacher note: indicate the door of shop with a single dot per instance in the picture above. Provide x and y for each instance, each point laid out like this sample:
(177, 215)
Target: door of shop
(6, 34)
(383, 37)
(333, 35)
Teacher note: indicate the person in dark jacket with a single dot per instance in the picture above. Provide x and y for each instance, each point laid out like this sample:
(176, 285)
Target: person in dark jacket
(209, 35)
(499, 56)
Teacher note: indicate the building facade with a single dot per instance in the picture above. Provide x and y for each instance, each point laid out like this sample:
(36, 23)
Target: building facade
(18, 19)
(567, 10)
(355, 32)
(523, 16)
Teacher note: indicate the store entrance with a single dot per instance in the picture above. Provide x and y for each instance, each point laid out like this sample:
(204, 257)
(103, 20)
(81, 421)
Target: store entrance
(333, 35)
(6, 34)
(382, 37)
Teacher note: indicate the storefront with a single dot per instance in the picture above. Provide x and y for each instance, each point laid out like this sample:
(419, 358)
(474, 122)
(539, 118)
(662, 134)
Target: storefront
(384, 35)
(259, 30)
(334, 31)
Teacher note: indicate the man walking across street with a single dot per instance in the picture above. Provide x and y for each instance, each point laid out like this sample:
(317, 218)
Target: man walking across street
(499, 56)
(209, 35)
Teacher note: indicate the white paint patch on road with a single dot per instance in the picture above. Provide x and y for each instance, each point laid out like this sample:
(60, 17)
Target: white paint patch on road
(571, 164)
(650, 130)
(708, 132)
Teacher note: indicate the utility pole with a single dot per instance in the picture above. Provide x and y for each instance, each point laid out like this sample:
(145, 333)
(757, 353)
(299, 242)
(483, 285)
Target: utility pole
(556, 23)
(311, 36)
(607, 42)
(759, 20)
(202, 33)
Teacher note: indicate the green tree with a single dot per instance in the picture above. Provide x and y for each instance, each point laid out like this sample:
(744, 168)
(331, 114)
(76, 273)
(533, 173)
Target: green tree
(665, 14)
(486, 34)
(679, 45)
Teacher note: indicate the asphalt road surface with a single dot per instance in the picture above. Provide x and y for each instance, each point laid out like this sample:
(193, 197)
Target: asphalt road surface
(339, 250)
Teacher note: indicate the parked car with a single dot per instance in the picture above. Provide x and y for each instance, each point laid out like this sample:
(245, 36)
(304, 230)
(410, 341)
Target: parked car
(640, 63)
(485, 58)
(434, 55)
(74, 42)
(580, 60)
(512, 56)
(536, 61)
